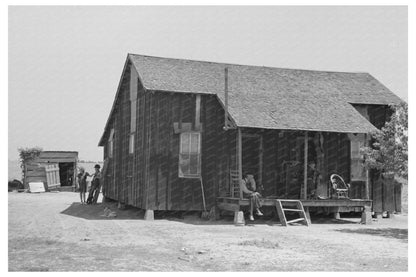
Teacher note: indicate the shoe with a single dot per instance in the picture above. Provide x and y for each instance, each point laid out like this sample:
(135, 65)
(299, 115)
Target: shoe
(251, 218)
(259, 213)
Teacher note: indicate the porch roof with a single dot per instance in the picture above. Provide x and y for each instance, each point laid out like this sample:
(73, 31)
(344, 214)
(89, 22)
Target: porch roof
(273, 98)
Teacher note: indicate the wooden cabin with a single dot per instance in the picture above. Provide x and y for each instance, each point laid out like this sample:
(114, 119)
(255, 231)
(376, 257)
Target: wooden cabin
(56, 169)
(176, 124)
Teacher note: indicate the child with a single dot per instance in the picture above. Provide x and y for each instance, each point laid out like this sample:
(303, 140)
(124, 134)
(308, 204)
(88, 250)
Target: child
(82, 182)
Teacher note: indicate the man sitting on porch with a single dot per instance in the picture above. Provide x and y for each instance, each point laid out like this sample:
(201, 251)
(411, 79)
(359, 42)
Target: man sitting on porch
(248, 187)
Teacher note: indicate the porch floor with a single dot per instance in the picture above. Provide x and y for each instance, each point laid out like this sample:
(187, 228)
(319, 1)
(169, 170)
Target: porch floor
(235, 204)
(305, 203)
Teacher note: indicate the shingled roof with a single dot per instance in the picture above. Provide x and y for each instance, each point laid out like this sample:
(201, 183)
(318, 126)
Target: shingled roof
(274, 98)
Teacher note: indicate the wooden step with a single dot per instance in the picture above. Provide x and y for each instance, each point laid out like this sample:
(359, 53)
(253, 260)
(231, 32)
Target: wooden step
(292, 210)
(296, 220)
(299, 209)
(288, 200)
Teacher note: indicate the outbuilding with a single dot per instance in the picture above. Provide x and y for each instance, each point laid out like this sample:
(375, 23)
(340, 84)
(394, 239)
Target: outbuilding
(55, 169)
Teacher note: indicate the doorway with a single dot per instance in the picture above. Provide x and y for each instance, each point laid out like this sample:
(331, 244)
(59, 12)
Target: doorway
(252, 156)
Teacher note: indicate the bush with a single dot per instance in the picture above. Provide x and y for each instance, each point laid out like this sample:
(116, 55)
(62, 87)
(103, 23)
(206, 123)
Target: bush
(28, 154)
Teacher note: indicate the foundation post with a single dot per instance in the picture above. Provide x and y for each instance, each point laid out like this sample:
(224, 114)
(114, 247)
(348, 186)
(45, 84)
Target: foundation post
(149, 215)
(308, 215)
(239, 218)
(366, 215)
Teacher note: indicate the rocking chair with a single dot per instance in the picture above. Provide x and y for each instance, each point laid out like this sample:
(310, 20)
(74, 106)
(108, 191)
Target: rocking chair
(339, 188)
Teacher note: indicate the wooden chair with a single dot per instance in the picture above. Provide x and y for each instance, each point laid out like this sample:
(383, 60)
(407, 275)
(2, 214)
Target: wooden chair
(234, 184)
(339, 188)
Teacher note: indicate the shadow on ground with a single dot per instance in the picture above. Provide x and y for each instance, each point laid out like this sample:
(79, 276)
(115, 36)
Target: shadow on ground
(401, 234)
(96, 212)
(327, 220)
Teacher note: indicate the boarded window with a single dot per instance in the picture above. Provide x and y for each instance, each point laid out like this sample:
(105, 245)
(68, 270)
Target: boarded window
(133, 105)
(355, 149)
(358, 172)
(111, 144)
(190, 155)
(131, 144)
(134, 78)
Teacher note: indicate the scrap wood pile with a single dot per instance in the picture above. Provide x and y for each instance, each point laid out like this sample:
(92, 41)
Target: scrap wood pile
(109, 213)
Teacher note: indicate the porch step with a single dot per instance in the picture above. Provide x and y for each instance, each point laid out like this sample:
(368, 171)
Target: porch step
(295, 220)
(299, 209)
(293, 210)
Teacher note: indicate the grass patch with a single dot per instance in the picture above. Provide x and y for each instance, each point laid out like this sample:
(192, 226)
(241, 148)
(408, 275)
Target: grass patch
(263, 243)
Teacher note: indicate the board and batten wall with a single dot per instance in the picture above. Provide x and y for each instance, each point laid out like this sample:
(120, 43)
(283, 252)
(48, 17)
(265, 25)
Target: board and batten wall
(149, 178)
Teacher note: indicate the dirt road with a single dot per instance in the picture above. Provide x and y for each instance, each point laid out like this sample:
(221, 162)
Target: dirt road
(53, 232)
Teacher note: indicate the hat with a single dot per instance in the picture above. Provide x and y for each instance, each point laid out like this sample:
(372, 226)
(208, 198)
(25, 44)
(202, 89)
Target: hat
(97, 166)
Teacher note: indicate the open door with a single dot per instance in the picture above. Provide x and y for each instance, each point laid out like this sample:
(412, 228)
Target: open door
(52, 175)
(252, 155)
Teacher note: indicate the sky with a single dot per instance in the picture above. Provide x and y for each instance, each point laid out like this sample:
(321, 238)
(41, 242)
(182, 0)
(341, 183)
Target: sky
(65, 62)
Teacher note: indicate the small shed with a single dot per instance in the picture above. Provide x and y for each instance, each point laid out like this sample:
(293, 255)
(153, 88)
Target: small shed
(56, 169)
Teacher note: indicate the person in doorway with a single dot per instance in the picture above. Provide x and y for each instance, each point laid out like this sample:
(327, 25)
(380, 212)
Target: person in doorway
(95, 186)
(313, 180)
(248, 186)
(82, 184)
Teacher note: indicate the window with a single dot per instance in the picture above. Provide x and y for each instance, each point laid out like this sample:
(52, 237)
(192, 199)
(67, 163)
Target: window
(358, 172)
(133, 113)
(111, 144)
(131, 144)
(133, 105)
(133, 108)
(355, 149)
(190, 155)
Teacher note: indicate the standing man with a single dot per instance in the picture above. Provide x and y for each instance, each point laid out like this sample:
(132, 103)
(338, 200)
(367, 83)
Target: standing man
(95, 185)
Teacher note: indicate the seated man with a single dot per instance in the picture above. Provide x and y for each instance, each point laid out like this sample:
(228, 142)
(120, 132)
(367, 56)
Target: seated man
(248, 186)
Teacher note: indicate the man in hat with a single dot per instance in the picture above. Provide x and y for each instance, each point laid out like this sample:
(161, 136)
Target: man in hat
(95, 185)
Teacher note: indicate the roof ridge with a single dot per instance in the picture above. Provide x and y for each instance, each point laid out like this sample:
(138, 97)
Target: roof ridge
(258, 66)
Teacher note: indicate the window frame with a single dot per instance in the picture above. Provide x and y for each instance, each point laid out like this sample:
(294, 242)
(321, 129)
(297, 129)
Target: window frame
(189, 175)
(131, 143)
(357, 159)
(110, 152)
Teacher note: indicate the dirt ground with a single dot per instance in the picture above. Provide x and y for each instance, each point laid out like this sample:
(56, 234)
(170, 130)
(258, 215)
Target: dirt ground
(54, 232)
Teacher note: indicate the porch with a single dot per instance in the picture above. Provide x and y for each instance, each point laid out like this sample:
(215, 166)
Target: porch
(293, 166)
(234, 204)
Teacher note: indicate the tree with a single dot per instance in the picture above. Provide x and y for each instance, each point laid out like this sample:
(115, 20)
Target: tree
(389, 152)
(28, 154)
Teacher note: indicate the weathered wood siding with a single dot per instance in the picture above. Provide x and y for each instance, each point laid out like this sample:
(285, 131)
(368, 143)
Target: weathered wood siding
(383, 190)
(149, 178)
(386, 195)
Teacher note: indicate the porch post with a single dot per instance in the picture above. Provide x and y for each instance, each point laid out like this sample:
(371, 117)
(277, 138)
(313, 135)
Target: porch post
(367, 173)
(240, 160)
(305, 167)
